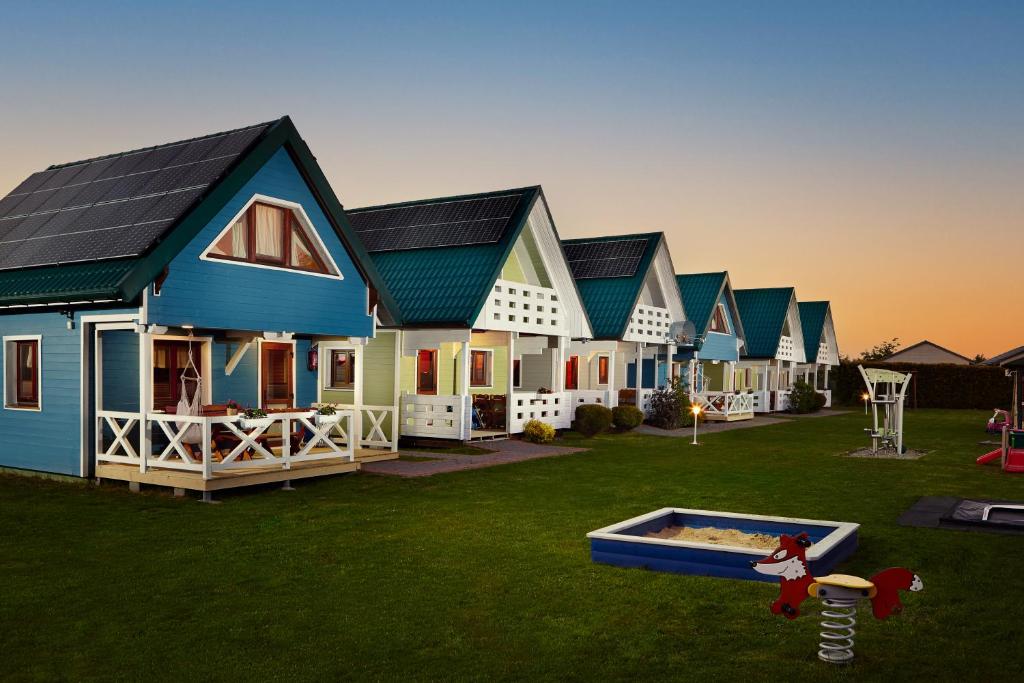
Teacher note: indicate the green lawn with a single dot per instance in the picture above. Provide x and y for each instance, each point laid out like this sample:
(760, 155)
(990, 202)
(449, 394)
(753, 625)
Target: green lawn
(486, 573)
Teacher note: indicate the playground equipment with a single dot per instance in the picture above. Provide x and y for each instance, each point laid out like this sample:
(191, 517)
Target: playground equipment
(886, 389)
(1010, 453)
(1000, 418)
(839, 593)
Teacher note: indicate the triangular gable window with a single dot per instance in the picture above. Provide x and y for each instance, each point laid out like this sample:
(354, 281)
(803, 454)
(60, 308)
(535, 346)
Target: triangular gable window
(718, 322)
(275, 236)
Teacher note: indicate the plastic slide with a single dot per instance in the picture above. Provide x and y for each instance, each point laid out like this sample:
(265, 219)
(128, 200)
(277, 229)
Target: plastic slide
(989, 457)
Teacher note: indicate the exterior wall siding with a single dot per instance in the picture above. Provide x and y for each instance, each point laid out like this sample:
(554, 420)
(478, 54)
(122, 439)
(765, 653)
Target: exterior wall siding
(48, 440)
(225, 295)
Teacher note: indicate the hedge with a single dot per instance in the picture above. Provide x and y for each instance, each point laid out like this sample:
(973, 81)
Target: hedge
(932, 386)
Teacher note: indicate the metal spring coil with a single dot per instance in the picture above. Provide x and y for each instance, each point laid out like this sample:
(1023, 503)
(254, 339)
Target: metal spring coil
(840, 616)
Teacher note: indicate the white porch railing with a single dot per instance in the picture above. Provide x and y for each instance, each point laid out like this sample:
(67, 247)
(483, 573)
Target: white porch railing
(591, 396)
(726, 405)
(761, 401)
(554, 409)
(439, 417)
(782, 400)
(247, 443)
(372, 421)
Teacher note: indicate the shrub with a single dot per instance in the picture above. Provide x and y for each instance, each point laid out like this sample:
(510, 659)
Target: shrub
(592, 419)
(670, 406)
(982, 387)
(538, 432)
(804, 398)
(627, 417)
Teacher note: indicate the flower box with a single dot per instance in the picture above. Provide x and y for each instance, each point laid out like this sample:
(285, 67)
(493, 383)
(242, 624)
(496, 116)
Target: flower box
(250, 423)
(326, 419)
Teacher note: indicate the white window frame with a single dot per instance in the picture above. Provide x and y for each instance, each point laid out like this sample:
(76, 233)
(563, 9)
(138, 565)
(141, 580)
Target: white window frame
(597, 373)
(205, 363)
(9, 386)
(720, 307)
(314, 236)
(490, 369)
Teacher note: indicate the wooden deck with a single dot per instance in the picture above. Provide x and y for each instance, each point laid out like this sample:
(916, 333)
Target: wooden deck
(487, 435)
(193, 481)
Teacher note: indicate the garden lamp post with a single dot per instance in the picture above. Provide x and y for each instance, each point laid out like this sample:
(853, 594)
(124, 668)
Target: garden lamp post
(695, 409)
(864, 397)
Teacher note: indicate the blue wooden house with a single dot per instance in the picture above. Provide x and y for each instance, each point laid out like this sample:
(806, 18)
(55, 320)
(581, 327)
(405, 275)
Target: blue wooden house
(821, 349)
(774, 344)
(630, 292)
(142, 292)
(710, 370)
(488, 309)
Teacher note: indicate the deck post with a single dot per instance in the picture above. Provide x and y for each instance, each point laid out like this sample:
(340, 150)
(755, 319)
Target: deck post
(467, 404)
(207, 451)
(511, 381)
(613, 395)
(145, 397)
(396, 395)
(286, 443)
(356, 428)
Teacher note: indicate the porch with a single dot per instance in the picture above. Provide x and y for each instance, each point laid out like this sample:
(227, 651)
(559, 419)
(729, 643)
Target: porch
(209, 453)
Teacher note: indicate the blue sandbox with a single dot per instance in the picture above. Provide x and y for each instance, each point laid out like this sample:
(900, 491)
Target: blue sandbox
(625, 544)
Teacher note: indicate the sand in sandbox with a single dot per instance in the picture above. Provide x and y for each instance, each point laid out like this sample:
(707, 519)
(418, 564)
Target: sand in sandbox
(717, 537)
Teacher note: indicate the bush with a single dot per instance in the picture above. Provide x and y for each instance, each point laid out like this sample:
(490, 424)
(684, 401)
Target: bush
(592, 419)
(538, 432)
(981, 387)
(627, 417)
(805, 399)
(670, 406)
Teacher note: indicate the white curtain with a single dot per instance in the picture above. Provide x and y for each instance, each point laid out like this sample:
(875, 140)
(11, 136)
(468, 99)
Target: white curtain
(239, 237)
(269, 231)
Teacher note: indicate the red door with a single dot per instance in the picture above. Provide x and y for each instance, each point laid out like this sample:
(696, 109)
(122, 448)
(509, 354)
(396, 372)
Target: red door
(426, 372)
(277, 385)
(572, 373)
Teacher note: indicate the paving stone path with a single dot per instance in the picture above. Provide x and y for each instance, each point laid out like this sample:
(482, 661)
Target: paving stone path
(439, 463)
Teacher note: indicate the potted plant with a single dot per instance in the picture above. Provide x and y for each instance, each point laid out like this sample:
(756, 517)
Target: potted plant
(326, 414)
(255, 418)
(233, 408)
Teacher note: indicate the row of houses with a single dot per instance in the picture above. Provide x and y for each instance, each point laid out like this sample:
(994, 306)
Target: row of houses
(146, 295)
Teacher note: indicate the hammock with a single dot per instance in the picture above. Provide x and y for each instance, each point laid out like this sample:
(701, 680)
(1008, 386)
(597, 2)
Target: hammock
(193, 432)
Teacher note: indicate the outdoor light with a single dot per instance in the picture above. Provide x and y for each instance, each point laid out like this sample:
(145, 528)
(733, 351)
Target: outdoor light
(864, 397)
(695, 409)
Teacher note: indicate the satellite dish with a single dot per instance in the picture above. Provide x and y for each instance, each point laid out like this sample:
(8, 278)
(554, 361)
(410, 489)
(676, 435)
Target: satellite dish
(683, 333)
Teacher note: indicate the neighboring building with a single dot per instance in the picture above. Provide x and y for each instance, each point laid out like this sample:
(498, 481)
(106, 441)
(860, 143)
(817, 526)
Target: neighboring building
(630, 292)
(927, 352)
(488, 308)
(775, 344)
(820, 344)
(711, 372)
(125, 277)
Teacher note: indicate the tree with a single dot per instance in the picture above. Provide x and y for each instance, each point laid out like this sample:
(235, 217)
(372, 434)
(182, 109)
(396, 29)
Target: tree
(979, 358)
(882, 350)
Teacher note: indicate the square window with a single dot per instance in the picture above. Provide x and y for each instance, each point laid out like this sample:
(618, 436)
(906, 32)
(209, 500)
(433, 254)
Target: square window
(343, 369)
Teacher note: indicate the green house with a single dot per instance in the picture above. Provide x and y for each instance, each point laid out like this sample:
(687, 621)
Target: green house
(821, 350)
(487, 306)
(775, 344)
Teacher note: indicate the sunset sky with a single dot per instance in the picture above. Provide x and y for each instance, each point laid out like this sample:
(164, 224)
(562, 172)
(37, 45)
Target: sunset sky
(870, 153)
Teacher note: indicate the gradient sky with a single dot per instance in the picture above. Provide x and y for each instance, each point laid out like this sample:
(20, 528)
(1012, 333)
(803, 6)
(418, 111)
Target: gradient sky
(867, 153)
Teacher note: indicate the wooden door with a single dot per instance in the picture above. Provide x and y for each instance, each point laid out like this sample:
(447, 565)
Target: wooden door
(277, 382)
(426, 371)
(572, 373)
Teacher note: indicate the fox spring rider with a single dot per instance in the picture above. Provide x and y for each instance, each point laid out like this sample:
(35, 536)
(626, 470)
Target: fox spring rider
(839, 593)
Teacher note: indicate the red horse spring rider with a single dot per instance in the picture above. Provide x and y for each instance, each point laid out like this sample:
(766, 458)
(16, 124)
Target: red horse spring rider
(839, 593)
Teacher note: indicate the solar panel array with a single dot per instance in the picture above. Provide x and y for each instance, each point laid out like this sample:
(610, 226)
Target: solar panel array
(616, 258)
(112, 206)
(454, 222)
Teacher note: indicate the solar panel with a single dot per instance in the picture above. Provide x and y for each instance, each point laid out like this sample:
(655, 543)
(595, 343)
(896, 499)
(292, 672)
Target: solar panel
(446, 223)
(112, 206)
(615, 258)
